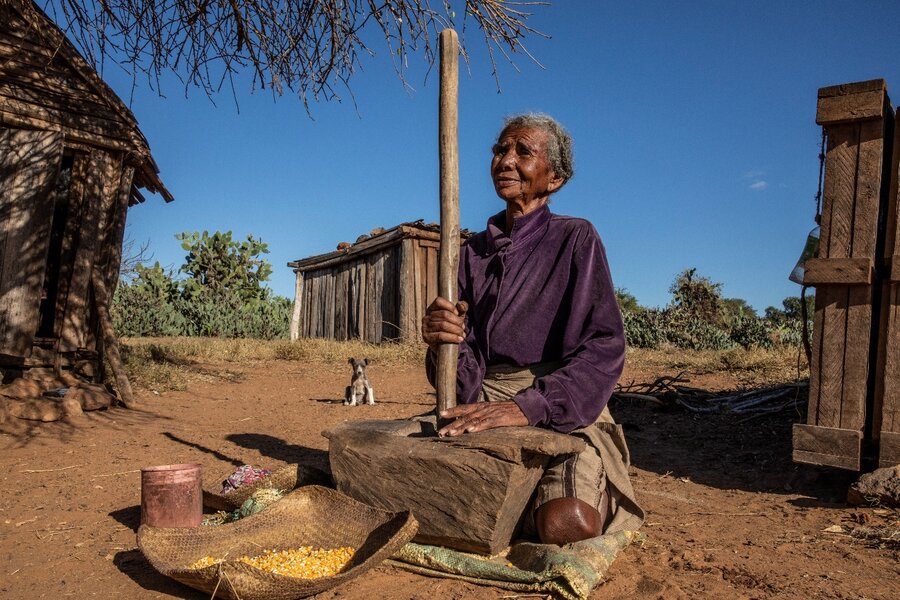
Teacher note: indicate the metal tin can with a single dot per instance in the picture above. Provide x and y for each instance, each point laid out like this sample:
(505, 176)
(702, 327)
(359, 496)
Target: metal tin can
(172, 495)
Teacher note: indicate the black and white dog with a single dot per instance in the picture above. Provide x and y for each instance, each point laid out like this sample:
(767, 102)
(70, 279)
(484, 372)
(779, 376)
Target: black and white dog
(360, 390)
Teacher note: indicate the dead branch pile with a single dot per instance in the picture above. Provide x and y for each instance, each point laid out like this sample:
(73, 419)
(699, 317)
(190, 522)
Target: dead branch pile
(670, 391)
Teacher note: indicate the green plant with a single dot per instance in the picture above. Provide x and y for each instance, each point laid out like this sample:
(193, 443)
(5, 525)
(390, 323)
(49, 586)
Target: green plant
(216, 265)
(642, 329)
(627, 302)
(221, 294)
(749, 331)
(698, 297)
(146, 305)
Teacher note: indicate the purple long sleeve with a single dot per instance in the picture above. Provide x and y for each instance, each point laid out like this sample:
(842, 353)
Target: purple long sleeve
(542, 294)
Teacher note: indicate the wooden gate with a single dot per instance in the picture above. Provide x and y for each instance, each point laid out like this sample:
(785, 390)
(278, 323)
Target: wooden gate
(855, 344)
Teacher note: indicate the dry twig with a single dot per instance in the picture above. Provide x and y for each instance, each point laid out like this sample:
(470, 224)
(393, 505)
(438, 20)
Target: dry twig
(115, 474)
(308, 47)
(29, 471)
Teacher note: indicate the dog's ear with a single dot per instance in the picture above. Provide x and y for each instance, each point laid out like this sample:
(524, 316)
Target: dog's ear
(366, 361)
(350, 360)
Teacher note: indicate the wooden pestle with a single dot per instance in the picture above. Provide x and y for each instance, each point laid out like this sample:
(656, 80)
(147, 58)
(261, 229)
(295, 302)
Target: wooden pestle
(448, 143)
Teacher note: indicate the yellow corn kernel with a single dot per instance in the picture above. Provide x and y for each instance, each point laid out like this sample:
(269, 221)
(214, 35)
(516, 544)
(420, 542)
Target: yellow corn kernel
(204, 562)
(304, 562)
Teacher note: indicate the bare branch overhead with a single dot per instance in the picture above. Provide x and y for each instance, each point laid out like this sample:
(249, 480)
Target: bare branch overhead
(311, 48)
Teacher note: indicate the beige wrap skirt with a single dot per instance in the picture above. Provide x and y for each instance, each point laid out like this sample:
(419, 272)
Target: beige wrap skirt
(602, 466)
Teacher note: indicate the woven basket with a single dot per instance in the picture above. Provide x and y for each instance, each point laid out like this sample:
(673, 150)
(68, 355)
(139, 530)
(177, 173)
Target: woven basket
(285, 479)
(309, 516)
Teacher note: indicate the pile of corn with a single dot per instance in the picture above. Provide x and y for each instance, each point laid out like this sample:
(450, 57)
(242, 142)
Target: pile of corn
(304, 562)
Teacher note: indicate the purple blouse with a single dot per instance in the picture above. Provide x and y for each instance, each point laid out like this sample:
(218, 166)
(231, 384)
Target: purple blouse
(541, 294)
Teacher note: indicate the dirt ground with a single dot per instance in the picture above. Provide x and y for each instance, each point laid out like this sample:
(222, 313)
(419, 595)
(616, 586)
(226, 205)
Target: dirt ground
(729, 514)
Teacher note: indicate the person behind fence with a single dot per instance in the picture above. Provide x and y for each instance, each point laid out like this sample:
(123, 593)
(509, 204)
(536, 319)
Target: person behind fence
(540, 335)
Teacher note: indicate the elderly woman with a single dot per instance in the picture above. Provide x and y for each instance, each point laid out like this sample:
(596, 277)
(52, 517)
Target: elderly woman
(541, 337)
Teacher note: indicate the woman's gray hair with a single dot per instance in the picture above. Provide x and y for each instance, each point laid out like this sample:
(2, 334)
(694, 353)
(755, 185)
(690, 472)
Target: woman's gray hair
(559, 146)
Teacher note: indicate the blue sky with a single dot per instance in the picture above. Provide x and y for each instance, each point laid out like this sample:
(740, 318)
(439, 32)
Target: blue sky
(694, 128)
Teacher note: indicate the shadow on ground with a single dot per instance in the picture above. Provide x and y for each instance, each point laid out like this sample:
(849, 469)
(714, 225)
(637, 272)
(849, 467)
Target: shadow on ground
(22, 432)
(280, 449)
(223, 457)
(327, 400)
(133, 564)
(377, 401)
(726, 451)
(129, 517)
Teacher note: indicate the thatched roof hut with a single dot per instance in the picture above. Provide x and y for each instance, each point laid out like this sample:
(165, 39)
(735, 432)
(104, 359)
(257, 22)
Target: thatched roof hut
(374, 290)
(72, 160)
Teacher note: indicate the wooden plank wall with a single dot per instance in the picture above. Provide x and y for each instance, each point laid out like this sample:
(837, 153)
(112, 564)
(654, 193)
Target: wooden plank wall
(408, 316)
(377, 297)
(46, 86)
(428, 261)
(370, 318)
(390, 296)
(843, 318)
(98, 195)
(102, 188)
(29, 166)
(887, 395)
(356, 303)
(71, 235)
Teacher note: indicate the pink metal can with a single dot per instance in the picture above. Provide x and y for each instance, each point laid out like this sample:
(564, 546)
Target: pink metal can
(172, 495)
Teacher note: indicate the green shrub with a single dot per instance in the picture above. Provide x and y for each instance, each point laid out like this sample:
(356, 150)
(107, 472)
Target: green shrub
(642, 329)
(685, 330)
(135, 314)
(749, 331)
(220, 294)
(227, 315)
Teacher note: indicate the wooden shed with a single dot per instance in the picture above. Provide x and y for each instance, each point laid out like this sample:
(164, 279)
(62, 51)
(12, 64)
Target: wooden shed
(374, 290)
(72, 160)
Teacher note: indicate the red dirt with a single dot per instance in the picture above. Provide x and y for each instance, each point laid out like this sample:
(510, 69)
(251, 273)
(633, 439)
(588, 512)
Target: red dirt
(729, 514)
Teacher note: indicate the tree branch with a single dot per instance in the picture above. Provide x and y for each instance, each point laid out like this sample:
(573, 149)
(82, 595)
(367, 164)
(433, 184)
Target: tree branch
(306, 46)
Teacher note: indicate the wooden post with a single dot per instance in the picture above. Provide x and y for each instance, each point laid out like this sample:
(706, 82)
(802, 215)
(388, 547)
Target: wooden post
(297, 314)
(886, 426)
(110, 343)
(448, 141)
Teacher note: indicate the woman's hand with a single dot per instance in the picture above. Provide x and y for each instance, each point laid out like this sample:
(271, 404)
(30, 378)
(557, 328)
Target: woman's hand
(481, 416)
(444, 323)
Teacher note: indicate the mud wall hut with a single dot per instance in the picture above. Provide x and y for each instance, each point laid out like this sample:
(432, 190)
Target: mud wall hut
(374, 290)
(72, 160)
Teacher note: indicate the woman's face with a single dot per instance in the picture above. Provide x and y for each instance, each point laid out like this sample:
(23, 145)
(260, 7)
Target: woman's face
(520, 169)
